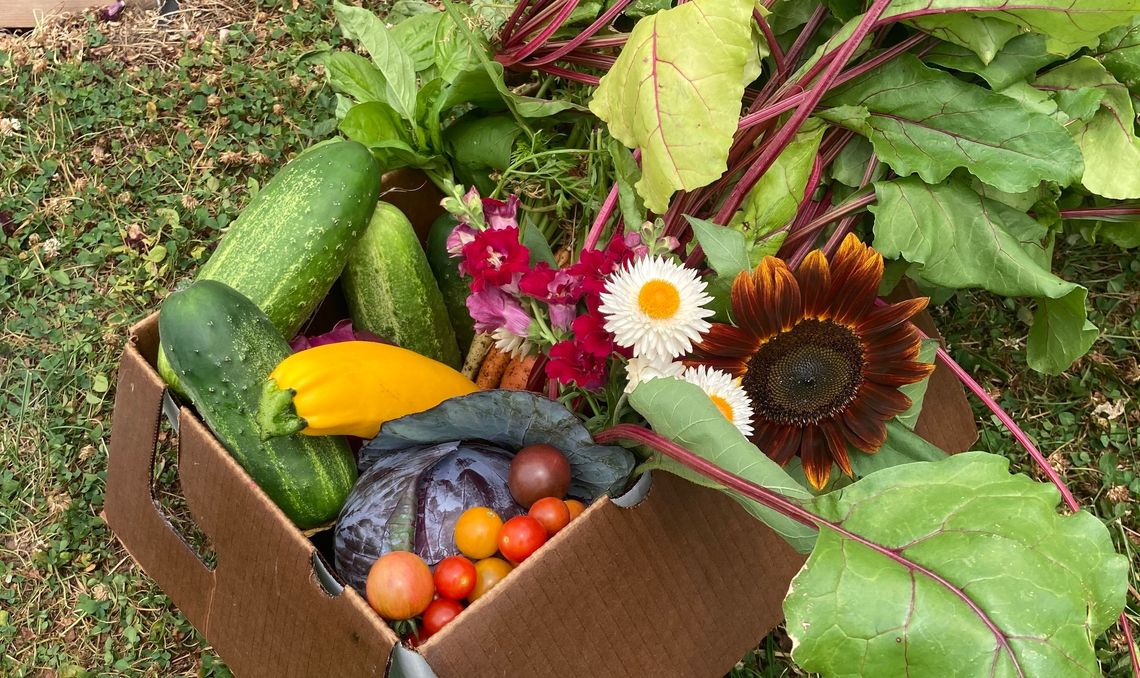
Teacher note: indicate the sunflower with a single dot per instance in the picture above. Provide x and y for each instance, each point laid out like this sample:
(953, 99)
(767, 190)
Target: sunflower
(819, 361)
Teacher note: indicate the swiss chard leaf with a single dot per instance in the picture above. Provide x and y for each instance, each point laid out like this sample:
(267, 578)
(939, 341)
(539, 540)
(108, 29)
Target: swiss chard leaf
(982, 35)
(1067, 25)
(396, 66)
(1103, 125)
(681, 412)
(774, 199)
(959, 239)
(1119, 51)
(925, 121)
(953, 568)
(675, 93)
(1021, 58)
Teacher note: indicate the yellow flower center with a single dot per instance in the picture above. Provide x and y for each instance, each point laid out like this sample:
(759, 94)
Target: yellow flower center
(722, 405)
(659, 299)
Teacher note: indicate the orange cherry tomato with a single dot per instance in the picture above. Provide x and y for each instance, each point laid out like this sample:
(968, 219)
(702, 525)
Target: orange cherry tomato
(576, 507)
(455, 577)
(477, 532)
(552, 513)
(399, 585)
(520, 537)
(488, 573)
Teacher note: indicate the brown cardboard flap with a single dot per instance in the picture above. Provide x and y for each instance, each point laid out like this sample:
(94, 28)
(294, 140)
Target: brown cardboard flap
(680, 585)
(262, 607)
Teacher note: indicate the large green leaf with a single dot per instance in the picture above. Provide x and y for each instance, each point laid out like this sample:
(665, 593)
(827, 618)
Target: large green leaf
(1119, 51)
(982, 35)
(724, 247)
(416, 36)
(397, 67)
(675, 93)
(927, 351)
(959, 239)
(773, 201)
(355, 76)
(627, 174)
(925, 121)
(682, 413)
(902, 446)
(477, 142)
(1067, 24)
(1103, 125)
(954, 568)
(1021, 58)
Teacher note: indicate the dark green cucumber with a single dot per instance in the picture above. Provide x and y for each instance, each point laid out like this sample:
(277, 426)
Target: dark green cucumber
(451, 285)
(391, 291)
(222, 347)
(288, 246)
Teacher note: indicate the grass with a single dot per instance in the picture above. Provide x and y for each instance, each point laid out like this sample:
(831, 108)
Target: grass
(136, 144)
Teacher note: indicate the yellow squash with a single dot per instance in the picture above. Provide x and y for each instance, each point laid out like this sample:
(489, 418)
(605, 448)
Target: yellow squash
(351, 388)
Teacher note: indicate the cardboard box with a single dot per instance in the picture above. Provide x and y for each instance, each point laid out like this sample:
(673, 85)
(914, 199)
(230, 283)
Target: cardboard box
(668, 580)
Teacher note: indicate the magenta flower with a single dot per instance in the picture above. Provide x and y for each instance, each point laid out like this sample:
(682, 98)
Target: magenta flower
(493, 258)
(492, 309)
(501, 214)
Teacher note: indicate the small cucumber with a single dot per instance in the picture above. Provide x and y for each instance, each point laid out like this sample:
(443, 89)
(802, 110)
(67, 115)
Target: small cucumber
(391, 291)
(451, 285)
(222, 347)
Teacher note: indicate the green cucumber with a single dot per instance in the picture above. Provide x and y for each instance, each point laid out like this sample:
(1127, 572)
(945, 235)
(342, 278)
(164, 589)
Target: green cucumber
(288, 246)
(222, 347)
(390, 289)
(451, 285)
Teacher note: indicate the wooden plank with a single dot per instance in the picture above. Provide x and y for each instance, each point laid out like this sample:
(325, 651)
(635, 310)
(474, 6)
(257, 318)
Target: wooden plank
(25, 13)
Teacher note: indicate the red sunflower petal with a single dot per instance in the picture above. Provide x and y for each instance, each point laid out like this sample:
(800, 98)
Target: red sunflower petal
(863, 427)
(734, 366)
(814, 276)
(726, 341)
(837, 444)
(748, 303)
(780, 442)
(885, 400)
(897, 374)
(886, 318)
(816, 457)
(780, 292)
(856, 272)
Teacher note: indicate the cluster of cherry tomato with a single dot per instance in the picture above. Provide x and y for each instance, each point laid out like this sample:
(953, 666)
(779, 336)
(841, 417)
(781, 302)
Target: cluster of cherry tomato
(401, 586)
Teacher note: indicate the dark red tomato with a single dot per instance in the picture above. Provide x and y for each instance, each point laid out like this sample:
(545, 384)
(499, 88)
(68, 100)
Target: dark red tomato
(552, 512)
(455, 577)
(538, 471)
(439, 614)
(520, 537)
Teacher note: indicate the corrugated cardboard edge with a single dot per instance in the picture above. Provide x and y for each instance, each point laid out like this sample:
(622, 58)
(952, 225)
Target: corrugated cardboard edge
(262, 607)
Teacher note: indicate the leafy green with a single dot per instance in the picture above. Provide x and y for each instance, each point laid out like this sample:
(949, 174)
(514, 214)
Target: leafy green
(1104, 125)
(725, 248)
(477, 142)
(917, 391)
(1021, 58)
(681, 412)
(355, 76)
(627, 175)
(953, 568)
(959, 239)
(983, 35)
(774, 199)
(1119, 51)
(395, 65)
(1067, 24)
(675, 93)
(416, 37)
(921, 120)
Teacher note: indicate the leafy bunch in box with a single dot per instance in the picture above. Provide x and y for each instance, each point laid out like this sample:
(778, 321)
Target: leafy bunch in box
(686, 215)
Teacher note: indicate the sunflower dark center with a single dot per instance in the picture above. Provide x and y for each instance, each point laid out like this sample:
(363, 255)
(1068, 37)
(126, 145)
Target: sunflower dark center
(804, 375)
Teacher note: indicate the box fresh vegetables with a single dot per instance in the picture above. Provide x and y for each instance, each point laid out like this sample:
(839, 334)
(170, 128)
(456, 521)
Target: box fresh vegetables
(668, 231)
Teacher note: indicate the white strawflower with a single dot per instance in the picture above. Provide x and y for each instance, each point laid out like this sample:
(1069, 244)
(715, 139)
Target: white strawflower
(638, 370)
(510, 343)
(726, 393)
(656, 306)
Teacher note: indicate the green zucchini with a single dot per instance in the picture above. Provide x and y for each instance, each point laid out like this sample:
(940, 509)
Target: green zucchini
(451, 285)
(390, 289)
(222, 347)
(288, 246)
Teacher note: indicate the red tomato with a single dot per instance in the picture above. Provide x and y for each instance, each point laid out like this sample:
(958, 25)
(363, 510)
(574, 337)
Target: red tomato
(399, 585)
(552, 512)
(455, 577)
(576, 507)
(520, 537)
(490, 572)
(439, 614)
